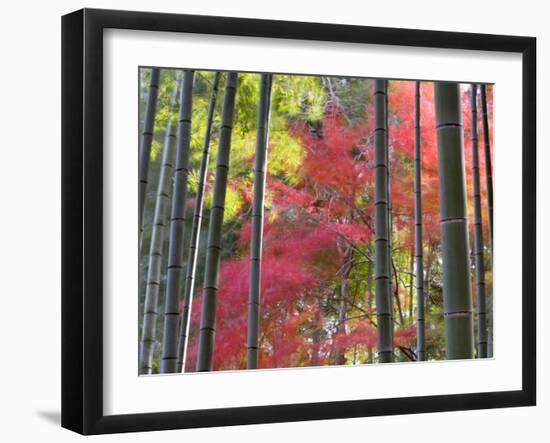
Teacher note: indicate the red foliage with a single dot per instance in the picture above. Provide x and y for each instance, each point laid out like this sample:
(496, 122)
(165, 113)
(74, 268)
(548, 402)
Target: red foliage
(313, 225)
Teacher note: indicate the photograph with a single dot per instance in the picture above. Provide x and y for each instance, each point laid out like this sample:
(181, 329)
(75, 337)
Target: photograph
(296, 221)
(266, 222)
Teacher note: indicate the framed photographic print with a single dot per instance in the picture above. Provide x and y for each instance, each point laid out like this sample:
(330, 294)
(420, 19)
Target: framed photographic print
(270, 221)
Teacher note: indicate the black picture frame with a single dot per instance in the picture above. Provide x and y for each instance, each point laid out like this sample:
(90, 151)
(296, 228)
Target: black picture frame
(82, 215)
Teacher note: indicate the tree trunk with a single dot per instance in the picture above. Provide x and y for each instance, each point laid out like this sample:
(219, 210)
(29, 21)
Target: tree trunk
(195, 233)
(428, 283)
(411, 287)
(478, 237)
(369, 296)
(347, 256)
(457, 295)
(489, 186)
(420, 323)
(395, 287)
(316, 337)
(382, 264)
(488, 164)
(394, 290)
(260, 170)
(160, 219)
(177, 229)
(146, 141)
(213, 250)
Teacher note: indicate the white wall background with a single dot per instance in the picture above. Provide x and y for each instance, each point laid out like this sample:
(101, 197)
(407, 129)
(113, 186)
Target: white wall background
(30, 220)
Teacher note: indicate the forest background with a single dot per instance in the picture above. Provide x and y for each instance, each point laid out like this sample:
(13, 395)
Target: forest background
(318, 274)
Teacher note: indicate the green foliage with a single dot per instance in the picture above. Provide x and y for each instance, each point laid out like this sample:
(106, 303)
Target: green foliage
(353, 97)
(298, 97)
(286, 154)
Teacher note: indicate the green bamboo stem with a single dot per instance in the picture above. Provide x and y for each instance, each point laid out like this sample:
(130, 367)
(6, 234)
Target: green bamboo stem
(394, 290)
(418, 252)
(489, 186)
(488, 163)
(382, 264)
(478, 236)
(160, 219)
(457, 294)
(177, 229)
(189, 284)
(213, 251)
(260, 170)
(145, 145)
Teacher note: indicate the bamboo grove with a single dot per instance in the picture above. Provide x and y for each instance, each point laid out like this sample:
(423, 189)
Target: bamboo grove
(290, 220)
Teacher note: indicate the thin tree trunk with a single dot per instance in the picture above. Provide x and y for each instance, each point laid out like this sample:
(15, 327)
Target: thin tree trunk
(382, 269)
(395, 289)
(478, 237)
(489, 186)
(369, 295)
(411, 286)
(428, 283)
(316, 337)
(260, 171)
(213, 250)
(457, 294)
(488, 164)
(160, 219)
(189, 284)
(420, 322)
(146, 141)
(177, 229)
(347, 256)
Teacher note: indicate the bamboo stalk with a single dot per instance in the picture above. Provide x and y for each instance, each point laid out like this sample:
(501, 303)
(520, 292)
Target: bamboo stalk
(260, 170)
(145, 145)
(478, 237)
(457, 294)
(489, 186)
(488, 163)
(382, 264)
(189, 285)
(418, 252)
(213, 251)
(177, 228)
(149, 327)
(394, 290)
